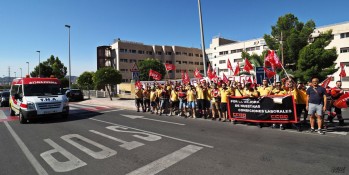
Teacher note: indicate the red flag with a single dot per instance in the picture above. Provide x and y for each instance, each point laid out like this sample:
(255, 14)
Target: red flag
(273, 59)
(182, 73)
(213, 75)
(170, 67)
(155, 75)
(342, 74)
(209, 72)
(138, 84)
(237, 69)
(342, 101)
(197, 74)
(248, 66)
(269, 73)
(327, 81)
(186, 78)
(225, 79)
(229, 65)
(249, 80)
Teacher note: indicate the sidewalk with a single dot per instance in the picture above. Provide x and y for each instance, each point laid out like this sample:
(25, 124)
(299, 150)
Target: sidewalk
(116, 102)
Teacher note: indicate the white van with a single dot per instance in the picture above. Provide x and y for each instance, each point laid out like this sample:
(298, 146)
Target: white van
(32, 98)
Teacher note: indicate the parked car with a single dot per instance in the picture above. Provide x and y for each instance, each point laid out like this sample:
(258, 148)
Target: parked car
(4, 98)
(74, 94)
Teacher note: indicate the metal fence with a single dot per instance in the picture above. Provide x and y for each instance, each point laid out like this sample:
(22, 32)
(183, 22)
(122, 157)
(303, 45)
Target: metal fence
(95, 93)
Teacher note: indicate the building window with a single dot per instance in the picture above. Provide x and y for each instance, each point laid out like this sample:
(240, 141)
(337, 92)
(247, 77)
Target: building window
(178, 62)
(197, 63)
(345, 35)
(123, 60)
(185, 53)
(223, 70)
(123, 70)
(238, 60)
(185, 62)
(141, 52)
(344, 50)
(178, 53)
(238, 50)
(201, 63)
(168, 53)
(149, 53)
(178, 71)
(133, 61)
(233, 51)
(190, 54)
(123, 50)
(197, 55)
(258, 48)
(201, 55)
(222, 62)
(159, 53)
(169, 62)
(190, 62)
(124, 80)
(345, 63)
(133, 51)
(191, 70)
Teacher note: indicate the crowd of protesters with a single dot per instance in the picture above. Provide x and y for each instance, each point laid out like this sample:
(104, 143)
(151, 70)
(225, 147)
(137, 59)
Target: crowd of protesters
(208, 100)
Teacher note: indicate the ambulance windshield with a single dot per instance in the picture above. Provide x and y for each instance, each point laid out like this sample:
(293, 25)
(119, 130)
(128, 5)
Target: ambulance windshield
(41, 89)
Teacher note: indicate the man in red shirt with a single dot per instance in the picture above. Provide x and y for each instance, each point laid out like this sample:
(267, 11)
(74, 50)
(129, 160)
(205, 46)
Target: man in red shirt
(336, 92)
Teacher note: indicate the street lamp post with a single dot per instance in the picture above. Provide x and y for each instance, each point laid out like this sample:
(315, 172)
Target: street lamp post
(68, 26)
(39, 63)
(21, 72)
(202, 38)
(15, 74)
(28, 68)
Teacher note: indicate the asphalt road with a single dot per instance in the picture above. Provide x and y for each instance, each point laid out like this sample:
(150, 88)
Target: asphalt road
(105, 140)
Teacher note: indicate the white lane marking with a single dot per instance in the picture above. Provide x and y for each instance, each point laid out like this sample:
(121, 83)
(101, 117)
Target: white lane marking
(336, 132)
(142, 117)
(166, 161)
(39, 169)
(72, 163)
(174, 138)
(148, 137)
(104, 153)
(127, 145)
(112, 110)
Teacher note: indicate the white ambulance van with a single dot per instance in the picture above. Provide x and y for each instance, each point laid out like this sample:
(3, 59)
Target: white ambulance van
(32, 98)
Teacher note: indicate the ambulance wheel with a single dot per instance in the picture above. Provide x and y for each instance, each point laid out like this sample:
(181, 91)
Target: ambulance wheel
(22, 119)
(234, 122)
(65, 116)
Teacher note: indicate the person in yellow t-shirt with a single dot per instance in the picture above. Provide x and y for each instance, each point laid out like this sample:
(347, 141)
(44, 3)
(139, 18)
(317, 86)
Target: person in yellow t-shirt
(265, 89)
(146, 98)
(153, 96)
(174, 100)
(139, 98)
(200, 98)
(278, 89)
(301, 101)
(250, 91)
(239, 91)
(215, 101)
(224, 93)
(191, 98)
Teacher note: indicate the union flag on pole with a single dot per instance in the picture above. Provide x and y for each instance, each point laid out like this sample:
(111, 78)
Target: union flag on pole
(273, 59)
(342, 101)
(237, 69)
(197, 74)
(170, 67)
(139, 85)
(229, 65)
(155, 75)
(269, 73)
(225, 79)
(326, 82)
(185, 77)
(342, 74)
(248, 66)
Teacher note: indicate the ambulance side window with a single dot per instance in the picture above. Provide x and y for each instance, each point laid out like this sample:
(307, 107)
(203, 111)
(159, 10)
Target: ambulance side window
(20, 92)
(14, 90)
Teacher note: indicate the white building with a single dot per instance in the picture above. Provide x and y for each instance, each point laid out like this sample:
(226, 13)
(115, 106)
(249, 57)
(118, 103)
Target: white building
(340, 40)
(221, 50)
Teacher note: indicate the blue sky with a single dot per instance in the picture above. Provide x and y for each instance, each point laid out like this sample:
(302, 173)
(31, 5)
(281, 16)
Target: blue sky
(30, 25)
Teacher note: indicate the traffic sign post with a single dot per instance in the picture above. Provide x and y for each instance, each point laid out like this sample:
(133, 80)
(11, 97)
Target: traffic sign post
(134, 68)
(135, 76)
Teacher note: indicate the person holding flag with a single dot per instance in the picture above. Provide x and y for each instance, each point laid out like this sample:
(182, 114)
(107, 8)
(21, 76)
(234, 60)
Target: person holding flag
(265, 89)
(336, 92)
